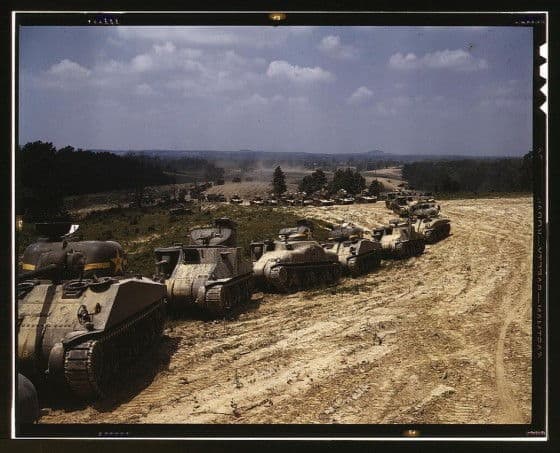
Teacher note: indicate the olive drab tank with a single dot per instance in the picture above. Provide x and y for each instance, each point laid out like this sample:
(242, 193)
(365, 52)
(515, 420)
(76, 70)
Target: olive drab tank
(236, 199)
(356, 254)
(27, 401)
(433, 228)
(294, 261)
(210, 274)
(81, 322)
(399, 239)
(424, 209)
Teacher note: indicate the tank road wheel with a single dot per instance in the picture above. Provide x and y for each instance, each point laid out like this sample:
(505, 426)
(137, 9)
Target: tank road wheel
(292, 283)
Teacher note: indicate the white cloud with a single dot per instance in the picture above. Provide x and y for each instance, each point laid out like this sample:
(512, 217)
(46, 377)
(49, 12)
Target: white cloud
(283, 70)
(331, 46)
(457, 59)
(360, 96)
(68, 69)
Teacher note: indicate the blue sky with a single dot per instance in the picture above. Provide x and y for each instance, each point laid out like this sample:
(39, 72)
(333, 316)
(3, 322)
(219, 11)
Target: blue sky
(404, 90)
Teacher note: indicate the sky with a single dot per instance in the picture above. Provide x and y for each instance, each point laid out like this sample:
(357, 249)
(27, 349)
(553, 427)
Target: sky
(402, 90)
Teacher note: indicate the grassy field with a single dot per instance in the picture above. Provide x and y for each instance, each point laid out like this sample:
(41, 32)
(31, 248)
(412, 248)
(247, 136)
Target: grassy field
(140, 230)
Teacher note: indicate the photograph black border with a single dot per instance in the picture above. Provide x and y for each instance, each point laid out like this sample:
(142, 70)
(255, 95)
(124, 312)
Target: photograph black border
(540, 322)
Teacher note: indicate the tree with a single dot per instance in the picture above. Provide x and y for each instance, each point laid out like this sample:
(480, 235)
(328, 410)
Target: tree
(375, 187)
(351, 181)
(279, 181)
(313, 182)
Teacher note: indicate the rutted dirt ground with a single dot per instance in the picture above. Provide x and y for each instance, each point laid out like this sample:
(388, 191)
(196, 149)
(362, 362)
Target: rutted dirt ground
(441, 338)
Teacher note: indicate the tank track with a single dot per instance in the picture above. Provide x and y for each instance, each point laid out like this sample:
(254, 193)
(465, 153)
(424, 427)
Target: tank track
(410, 248)
(294, 278)
(361, 264)
(221, 298)
(437, 234)
(92, 367)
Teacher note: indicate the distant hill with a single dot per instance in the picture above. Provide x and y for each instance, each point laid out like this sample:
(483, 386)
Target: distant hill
(293, 156)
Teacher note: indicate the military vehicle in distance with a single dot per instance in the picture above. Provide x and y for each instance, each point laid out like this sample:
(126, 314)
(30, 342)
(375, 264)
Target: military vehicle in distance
(179, 211)
(294, 261)
(210, 274)
(257, 201)
(365, 197)
(236, 199)
(389, 197)
(356, 254)
(323, 202)
(81, 321)
(216, 197)
(272, 201)
(424, 208)
(433, 228)
(343, 197)
(399, 239)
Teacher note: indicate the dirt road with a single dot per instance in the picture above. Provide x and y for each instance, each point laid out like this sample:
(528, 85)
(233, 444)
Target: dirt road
(441, 338)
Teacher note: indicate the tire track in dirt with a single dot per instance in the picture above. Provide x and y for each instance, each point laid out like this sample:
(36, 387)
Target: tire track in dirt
(441, 338)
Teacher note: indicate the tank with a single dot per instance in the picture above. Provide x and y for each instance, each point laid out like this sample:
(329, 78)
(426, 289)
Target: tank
(27, 401)
(399, 239)
(400, 205)
(425, 209)
(356, 254)
(343, 197)
(389, 197)
(179, 210)
(365, 197)
(216, 197)
(433, 228)
(236, 199)
(294, 261)
(210, 274)
(272, 201)
(81, 321)
(257, 201)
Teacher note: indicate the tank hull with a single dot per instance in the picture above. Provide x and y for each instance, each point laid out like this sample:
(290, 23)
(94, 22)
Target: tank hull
(292, 266)
(356, 257)
(80, 335)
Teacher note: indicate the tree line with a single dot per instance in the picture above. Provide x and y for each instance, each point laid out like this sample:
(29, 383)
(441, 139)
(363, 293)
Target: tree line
(471, 175)
(45, 175)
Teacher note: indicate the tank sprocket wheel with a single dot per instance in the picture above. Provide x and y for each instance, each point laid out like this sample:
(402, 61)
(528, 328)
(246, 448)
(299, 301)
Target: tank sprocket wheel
(279, 278)
(355, 266)
(215, 300)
